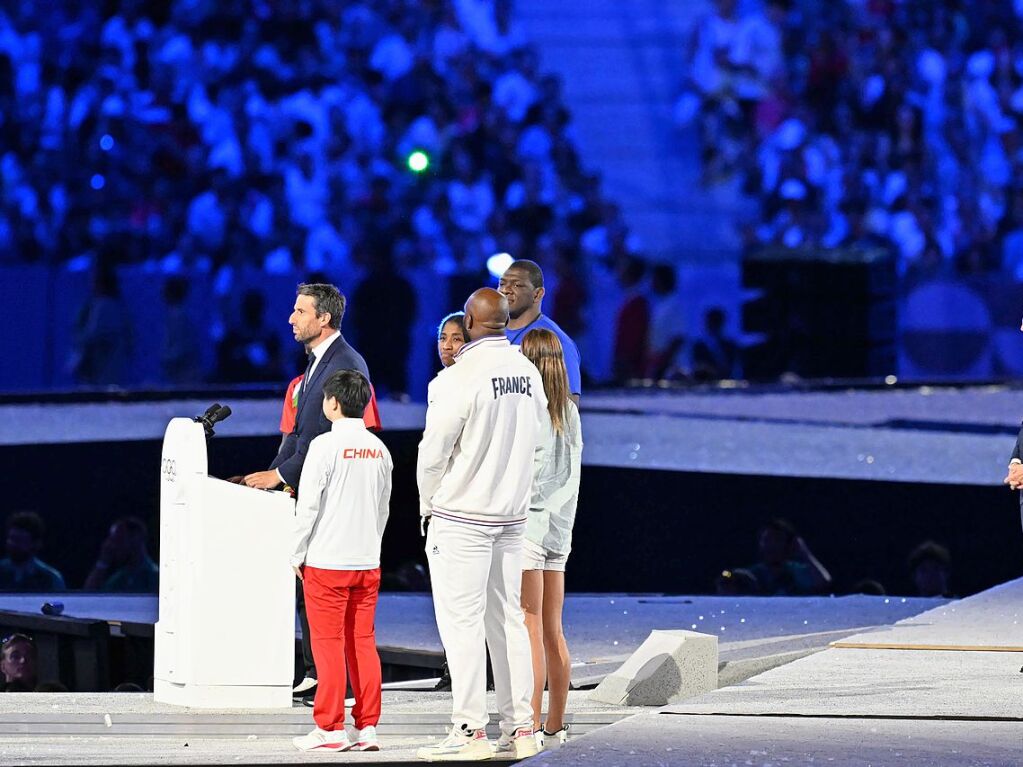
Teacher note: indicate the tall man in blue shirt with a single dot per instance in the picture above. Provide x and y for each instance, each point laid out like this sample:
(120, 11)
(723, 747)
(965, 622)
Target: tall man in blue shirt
(522, 285)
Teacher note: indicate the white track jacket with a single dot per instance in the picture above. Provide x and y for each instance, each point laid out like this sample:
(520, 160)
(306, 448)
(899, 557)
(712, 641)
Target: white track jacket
(485, 427)
(343, 499)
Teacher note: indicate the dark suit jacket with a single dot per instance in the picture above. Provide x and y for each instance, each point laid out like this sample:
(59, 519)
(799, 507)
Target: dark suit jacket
(310, 422)
(1017, 452)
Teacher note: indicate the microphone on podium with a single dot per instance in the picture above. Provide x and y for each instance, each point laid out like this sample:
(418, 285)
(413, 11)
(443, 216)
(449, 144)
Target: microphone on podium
(214, 414)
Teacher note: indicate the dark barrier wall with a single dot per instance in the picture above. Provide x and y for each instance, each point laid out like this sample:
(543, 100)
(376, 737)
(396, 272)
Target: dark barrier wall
(643, 531)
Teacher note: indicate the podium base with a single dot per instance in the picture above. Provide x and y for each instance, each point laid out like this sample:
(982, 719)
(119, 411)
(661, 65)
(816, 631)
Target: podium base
(222, 696)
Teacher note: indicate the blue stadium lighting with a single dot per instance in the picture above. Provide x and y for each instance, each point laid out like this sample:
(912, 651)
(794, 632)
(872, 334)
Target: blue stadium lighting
(498, 263)
(418, 161)
(106, 143)
(97, 182)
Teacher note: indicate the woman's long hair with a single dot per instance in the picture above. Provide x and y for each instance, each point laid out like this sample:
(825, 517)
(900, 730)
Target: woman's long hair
(543, 349)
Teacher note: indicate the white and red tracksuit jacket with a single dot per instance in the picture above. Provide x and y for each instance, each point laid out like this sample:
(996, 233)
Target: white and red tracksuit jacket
(343, 499)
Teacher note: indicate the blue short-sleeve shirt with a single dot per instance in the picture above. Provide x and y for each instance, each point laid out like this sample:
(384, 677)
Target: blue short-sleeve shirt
(575, 378)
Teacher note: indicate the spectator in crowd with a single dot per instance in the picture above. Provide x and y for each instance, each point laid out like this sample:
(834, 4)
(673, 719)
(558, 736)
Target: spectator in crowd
(124, 564)
(786, 566)
(869, 124)
(385, 335)
(21, 569)
(450, 338)
(632, 323)
(274, 132)
(180, 354)
(868, 586)
(930, 566)
(715, 355)
(18, 663)
(736, 583)
(102, 333)
(232, 140)
(667, 325)
(250, 352)
(570, 297)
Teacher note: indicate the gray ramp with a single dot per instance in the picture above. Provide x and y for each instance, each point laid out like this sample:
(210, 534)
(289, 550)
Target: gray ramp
(899, 683)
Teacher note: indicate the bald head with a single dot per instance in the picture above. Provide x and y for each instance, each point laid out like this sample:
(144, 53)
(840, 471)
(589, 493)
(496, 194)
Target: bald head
(486, 314)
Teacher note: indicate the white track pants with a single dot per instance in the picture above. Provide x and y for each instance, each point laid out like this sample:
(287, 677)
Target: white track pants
(477, 582)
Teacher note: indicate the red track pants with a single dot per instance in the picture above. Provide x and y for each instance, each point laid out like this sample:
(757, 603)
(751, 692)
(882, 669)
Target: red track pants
(341, 606)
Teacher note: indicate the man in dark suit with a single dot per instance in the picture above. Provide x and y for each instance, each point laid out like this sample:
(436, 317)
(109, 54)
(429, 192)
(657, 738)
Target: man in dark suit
(316, 322)
(1014, 478)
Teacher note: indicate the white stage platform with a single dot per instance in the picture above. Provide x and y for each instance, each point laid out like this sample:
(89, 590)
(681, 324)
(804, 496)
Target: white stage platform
(602, 630)
(848, 706)
(759, 634)
(880, 434)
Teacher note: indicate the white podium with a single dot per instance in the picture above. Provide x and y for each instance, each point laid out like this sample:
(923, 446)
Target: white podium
(226, 633)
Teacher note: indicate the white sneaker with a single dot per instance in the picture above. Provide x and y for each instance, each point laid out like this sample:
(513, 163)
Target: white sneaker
(366, 739)
(461, 745)
(554, 740)
(322, 740)
(520, 744)
(304, 686)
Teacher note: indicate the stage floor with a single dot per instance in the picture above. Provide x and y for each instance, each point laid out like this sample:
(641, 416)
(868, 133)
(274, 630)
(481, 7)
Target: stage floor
(109, 728)
(882, 434)
(839, 706)
(602, 630)
(119, 728)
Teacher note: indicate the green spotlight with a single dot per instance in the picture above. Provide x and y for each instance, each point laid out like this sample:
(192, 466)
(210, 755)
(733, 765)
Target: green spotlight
(418, 161)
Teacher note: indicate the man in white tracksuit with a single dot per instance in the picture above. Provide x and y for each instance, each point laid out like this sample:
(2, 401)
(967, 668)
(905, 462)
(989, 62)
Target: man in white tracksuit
(484, 432)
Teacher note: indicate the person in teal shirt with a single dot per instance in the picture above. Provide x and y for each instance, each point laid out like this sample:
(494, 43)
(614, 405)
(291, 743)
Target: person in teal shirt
(787, 567)
(124, 564)
(21, 570)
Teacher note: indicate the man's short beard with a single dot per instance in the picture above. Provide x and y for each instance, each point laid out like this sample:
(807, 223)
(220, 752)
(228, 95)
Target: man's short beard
(306, 340)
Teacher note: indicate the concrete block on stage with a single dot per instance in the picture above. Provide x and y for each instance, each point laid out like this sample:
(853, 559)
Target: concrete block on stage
(668, 667)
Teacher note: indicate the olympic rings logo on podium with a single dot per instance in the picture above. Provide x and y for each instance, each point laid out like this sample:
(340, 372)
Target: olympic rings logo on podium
(169, 469)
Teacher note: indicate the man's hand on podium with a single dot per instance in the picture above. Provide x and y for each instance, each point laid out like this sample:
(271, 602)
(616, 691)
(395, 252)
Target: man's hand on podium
(263, 480)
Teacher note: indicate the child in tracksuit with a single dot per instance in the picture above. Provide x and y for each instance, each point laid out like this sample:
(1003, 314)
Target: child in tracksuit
(342, 509)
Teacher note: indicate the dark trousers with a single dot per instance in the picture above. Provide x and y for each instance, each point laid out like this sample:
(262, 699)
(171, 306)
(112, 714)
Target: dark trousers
(307, 645)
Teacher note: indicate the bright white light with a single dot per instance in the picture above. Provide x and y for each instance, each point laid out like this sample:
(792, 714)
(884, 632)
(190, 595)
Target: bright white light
(498, 263)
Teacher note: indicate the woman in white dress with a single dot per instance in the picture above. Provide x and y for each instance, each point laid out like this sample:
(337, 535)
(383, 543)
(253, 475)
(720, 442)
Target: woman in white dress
(548, 538)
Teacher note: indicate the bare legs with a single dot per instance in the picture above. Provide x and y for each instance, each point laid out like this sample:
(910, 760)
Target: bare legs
(543, 597)
(559, 663)
(532, 607)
